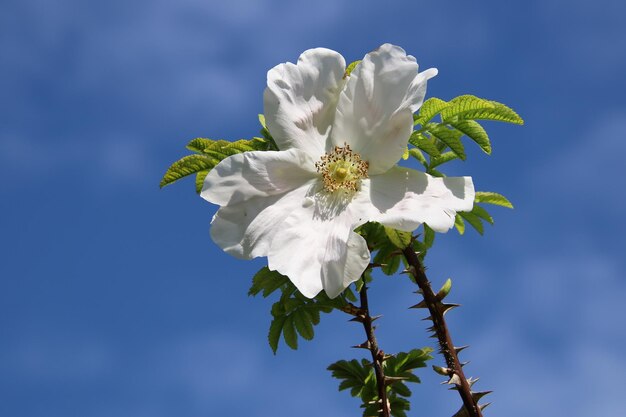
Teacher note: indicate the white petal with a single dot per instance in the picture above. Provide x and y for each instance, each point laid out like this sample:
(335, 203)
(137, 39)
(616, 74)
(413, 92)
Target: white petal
(320, 252)
(300, 100)
(246, 229)
(247, 175)
(405, 198)
(375, 110)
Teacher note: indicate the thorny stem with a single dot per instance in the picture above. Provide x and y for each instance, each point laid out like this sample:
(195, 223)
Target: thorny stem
(378, 356)
(442, 333)
(362, 314)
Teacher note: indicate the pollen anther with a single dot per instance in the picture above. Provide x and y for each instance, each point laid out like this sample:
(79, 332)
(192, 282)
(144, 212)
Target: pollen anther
(342, 169)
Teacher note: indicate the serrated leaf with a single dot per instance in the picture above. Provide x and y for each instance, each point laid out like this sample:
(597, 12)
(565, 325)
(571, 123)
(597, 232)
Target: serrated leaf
(463, 105)
(429, 109)
(417, 154)
(210, 153)
(289, 333)
(200, 176)
(442, 159)
(276, 328)
(492, 198)
(474, 221)
(459, 224)
(303, 324)
(499, 113)
(426, 144)
(198, 144)
(392, 265)
(266, 281)
(475, 132)
(187, 165)
(399, 238)
(450, 137)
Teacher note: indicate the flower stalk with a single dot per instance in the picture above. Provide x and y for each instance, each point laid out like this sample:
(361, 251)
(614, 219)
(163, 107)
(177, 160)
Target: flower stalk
(437, 310)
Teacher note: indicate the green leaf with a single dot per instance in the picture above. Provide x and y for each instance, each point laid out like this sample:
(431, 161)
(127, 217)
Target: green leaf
(429, 236)
(459, 224)
(499, 113)
(276, 328)
(351, 68)
(492, 198)
(262, 121)
(303, 323)
(267, 281)
(463, 105)
(482, 213)
(451, 137)
(210, 153)
(187, 165)
(399, 238)
(468, 107)
(289, 333)
(475, 132)
(199, 144)
(200, 176)
(442, 159)
(426, 144)
(429, 109)
(417, 154)
(474, 221)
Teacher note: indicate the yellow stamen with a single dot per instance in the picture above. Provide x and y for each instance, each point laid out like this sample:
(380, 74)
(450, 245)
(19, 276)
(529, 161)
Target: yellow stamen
(342, 169)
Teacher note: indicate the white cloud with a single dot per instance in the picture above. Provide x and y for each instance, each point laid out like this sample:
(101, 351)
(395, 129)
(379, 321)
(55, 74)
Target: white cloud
(588, 171)
(559, 337)
(46, 359)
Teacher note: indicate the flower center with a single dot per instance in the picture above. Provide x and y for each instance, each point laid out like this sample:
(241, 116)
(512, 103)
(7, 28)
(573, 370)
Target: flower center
(342, 169)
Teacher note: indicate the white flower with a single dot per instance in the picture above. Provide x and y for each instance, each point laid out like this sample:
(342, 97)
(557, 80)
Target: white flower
(339, 141)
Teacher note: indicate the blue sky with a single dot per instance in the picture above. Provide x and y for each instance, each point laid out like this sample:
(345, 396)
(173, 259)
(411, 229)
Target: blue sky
(114, 300)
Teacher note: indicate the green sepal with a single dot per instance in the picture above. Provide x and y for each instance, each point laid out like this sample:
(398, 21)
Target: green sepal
(351, 68)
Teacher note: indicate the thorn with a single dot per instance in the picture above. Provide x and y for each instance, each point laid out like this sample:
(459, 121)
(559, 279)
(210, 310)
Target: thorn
(454, 380)
(483, 406)
(418, 292)
(364, 345)
(460, 348)
(358, 318)
(421, 304)
(480, 394)
(471, 381)
(427, 318)
(464, 363)
(386, 356)
(373, 319)
(447, 307)
(407, 271)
